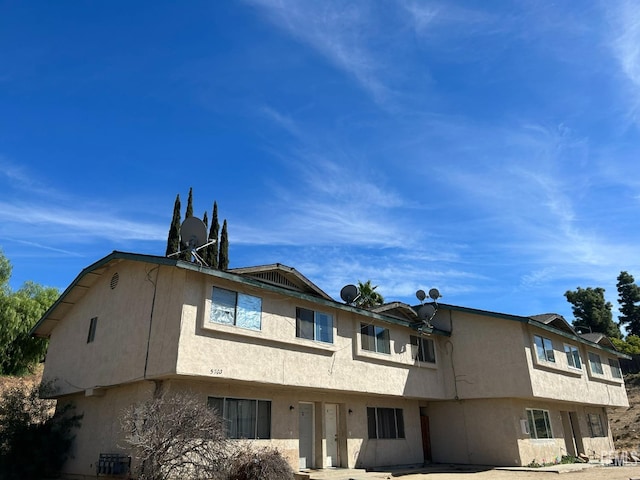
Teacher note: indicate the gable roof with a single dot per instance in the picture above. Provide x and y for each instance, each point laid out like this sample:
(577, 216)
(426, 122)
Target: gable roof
(398, 310)
(282, 276)
(554, 320)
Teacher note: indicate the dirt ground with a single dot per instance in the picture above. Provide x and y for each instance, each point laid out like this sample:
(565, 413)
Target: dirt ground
(591, 473)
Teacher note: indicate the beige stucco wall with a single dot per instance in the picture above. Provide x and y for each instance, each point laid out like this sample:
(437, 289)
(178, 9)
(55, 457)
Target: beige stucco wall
(100, 430)
(557, 380)
(489, 432)
(487, 355)
(118, 353)
(274, 355)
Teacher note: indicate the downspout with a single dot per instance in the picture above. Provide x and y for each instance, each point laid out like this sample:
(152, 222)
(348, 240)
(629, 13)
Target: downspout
(153, 304)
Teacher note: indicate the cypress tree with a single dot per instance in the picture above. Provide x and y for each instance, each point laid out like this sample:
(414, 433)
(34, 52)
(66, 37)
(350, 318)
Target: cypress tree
(189, 212)
(173, 240)
(186, 255)
(223, 257)
(211, 251)
(205, 219)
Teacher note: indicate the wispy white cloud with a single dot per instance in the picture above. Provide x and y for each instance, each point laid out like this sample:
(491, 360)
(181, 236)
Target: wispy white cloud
(341, 32)
(624, 39)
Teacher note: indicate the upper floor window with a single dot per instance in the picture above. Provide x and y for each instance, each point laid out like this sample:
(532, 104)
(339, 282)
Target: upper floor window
(93, 324)
(385, 422)
(544, 348)
(244, 418)
(423, 349)
(573, 356)
(314, 325)
(595, 364)
(615, 368)
(375, 339)
(539, 423)
(595, 425)
(233, 308)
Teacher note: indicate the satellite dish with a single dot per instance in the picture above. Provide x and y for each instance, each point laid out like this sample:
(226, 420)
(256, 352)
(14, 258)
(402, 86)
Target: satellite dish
(434, 294)
(421, 295)
(349, 293)
(426, 312)
(193, 232)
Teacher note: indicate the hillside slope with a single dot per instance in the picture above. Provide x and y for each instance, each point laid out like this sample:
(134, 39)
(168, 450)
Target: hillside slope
(625, 422)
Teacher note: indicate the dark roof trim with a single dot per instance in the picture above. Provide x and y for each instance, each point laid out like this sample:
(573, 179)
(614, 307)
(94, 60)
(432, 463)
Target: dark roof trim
(234, 277)
(535, 323)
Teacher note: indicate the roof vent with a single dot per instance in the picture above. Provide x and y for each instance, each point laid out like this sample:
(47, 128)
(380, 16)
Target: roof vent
(114, 280)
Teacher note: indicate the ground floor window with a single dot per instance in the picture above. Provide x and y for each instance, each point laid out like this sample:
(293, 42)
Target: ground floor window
(595, 425)
(385, 422)
(539, 423)
(245, 418)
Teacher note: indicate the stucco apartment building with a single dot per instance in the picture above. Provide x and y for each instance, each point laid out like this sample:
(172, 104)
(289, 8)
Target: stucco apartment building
(328, 384)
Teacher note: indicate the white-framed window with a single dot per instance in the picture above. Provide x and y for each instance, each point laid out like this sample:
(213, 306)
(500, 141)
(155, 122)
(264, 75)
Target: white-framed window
(374, 338)
(385, 422)
(539, 423)
(595, 363)
(234, 308)
(245, 418)
(614, 365)
(93, 324)
(573, 356)
(424, 349)
(544, 348)
(595, 425)
(314, 325)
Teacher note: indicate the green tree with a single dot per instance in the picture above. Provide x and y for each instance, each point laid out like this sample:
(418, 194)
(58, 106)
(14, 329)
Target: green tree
(173, 240)
(35, 435)
(630, 345)
(19, 312)
(223, 256)
(628, 299)
(590, 309)
(211, 251)
(368, 296)
(189, 212)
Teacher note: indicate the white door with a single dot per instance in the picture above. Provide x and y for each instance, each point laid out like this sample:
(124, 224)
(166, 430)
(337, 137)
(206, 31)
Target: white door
(305, 433)
(331, 430)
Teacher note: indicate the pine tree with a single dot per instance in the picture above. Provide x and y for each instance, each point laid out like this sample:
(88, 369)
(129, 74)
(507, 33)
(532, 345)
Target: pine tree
(590, 309)
(628, 299)
(173, 240)
(223, 257)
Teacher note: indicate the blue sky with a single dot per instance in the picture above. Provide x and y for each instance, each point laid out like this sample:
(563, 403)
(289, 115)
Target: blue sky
(489, 149)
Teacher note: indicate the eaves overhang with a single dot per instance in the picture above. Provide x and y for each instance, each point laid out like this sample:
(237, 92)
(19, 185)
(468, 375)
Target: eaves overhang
(88, 276)
(574, 336)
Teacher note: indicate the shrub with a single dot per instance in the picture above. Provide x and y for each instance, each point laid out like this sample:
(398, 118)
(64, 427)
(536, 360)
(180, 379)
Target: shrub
(175, 436)
(35, 436)
(259, 464)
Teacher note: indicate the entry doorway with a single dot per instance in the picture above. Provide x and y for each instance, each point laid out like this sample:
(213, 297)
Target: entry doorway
(572, 436)
(426, 435)
(331, 434)
(305, 435)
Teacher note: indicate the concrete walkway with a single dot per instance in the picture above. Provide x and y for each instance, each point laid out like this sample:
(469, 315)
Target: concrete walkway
(360, 474)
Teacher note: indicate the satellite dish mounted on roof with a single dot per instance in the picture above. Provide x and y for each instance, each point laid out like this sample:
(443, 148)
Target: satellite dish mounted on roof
(349, 294)
(427, 311)
(193, 235)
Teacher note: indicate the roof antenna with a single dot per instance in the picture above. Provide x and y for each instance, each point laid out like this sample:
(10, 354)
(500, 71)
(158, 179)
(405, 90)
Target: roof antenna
(193, 235)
